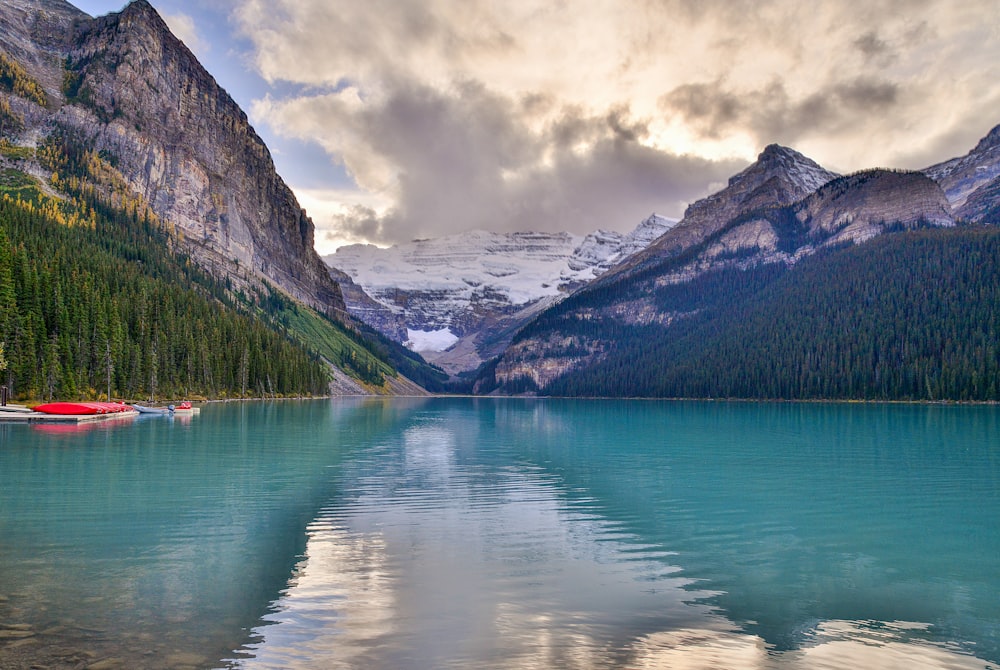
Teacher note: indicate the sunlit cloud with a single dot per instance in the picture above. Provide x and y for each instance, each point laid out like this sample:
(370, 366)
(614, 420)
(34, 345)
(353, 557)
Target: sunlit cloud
(339, 215)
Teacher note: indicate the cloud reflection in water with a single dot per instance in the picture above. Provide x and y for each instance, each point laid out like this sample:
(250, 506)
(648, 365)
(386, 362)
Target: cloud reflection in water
(436, 558)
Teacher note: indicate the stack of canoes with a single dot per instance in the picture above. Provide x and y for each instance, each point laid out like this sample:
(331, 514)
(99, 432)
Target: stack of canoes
(83, 408)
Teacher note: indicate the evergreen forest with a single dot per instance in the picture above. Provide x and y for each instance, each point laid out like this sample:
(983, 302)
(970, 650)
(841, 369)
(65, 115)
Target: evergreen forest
(906, 316)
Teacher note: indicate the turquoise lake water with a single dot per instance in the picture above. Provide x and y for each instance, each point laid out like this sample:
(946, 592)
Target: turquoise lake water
(508, 533)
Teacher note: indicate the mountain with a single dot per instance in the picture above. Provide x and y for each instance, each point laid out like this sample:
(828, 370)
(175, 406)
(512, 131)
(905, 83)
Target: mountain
(779, 176)
(458, 298)
(113, 122)
(604, 249)
(909, 315)
(719, 260)
(123, 87)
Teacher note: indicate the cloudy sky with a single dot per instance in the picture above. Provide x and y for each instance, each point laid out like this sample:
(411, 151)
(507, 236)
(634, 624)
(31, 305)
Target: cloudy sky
(396, 119)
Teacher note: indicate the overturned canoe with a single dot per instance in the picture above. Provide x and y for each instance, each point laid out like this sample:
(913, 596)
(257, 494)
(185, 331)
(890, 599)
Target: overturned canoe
(142, 409)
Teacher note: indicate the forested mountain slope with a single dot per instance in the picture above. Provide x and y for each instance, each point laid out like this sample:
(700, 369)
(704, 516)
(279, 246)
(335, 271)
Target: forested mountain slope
(906, 316)
(859, 289)
(91, 300)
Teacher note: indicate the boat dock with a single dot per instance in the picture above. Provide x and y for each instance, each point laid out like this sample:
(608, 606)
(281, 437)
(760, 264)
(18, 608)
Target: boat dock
(20, 414)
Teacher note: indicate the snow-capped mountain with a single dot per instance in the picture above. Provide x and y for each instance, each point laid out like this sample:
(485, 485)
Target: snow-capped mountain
(448, 289)
(603, 249)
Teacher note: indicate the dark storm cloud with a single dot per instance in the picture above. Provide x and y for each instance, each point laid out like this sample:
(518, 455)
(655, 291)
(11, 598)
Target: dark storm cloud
(873, 47)
(360, 222)
(867, 94)
(709, 106)
(772, 114)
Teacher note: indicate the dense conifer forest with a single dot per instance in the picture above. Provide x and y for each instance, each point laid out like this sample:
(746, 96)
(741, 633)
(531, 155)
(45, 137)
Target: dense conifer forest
(905, 316)
(87, 303)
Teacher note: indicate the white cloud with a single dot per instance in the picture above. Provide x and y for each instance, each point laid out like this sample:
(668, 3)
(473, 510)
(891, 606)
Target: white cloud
(528, 114)
(184, 28)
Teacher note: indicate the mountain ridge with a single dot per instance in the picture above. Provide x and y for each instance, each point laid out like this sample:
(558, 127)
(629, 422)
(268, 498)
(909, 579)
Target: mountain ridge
(777, 211)
(779, 176)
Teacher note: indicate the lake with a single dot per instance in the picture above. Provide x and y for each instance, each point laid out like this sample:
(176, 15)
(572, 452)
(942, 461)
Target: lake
(505, 533)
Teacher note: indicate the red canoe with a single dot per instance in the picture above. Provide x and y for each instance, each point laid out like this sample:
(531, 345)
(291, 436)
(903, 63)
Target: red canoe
(75, 408)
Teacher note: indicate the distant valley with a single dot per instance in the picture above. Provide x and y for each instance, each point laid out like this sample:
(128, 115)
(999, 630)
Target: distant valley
(457, 300)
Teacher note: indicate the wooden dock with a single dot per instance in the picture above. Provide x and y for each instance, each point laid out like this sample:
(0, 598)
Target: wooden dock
(21, 414)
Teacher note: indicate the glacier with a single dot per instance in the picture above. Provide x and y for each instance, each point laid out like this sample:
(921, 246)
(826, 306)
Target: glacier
(423, 341)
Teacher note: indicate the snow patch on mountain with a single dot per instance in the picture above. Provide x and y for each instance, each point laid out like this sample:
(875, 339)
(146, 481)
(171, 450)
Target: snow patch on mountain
(515, 268)
(424, 341)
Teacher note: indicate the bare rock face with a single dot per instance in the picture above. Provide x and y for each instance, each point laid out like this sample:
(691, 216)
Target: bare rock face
(779, 176)
(368, 310)
(37, 34)
(972, 182)
(983, 205)
(860, 206)
(127, 87)
(541, 365)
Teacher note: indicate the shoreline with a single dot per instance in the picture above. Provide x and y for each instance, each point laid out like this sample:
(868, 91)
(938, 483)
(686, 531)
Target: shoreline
(842, 401)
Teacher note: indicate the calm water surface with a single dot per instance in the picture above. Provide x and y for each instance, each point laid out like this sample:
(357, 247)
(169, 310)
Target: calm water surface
(474, 533)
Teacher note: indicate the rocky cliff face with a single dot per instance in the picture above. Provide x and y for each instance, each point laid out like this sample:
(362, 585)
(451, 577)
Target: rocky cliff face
(860, 206)
(37, 34)
(125, 86)
(381, 317)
